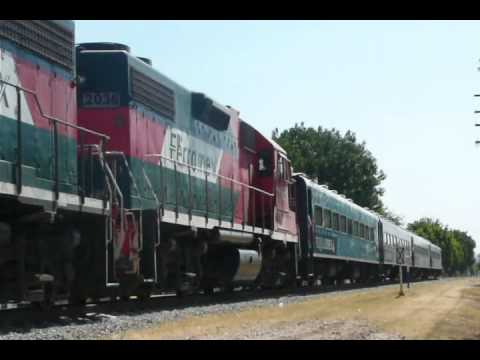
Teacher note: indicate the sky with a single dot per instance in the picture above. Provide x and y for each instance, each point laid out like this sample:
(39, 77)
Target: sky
(404, 87)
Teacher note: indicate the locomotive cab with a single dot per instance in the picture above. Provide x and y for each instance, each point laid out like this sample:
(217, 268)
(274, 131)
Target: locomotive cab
(273, 175)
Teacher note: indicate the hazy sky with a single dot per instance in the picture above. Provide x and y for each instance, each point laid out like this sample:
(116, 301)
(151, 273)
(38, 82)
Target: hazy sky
(404, 87)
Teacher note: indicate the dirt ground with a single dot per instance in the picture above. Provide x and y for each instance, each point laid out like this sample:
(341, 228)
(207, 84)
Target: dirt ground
(447, 309)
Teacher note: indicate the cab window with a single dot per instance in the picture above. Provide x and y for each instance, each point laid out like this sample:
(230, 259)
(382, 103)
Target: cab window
(281, 168)
(264, 165)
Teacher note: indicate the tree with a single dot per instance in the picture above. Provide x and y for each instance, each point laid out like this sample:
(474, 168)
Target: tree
(339, 162)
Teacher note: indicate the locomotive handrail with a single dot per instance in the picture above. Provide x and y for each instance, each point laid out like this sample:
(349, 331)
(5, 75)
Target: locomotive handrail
(211, 173)
(110, 182)
(31, 92)
(121, 154)
(54, 121)
(125, 162)
(232, 181)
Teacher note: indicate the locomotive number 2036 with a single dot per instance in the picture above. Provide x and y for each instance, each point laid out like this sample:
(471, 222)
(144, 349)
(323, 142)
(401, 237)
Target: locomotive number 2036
(100, 99)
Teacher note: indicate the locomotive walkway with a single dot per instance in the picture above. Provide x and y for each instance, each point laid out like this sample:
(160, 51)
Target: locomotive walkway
(446, 309)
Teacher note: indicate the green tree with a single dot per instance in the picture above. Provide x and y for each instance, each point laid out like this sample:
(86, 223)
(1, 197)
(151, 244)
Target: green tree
(336, 160)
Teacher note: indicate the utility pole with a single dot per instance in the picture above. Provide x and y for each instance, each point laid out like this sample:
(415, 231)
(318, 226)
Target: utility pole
(400, 254)
(477, 112)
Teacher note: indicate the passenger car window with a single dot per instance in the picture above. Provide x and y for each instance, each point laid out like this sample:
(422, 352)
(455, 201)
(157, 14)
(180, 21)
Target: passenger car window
(355, 228)
(343, 224)
(327, 219)
(349, 226)
(318, 216)
(336, 225)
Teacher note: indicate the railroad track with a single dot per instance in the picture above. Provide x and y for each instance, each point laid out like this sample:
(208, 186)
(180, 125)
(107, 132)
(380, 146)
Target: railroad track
(28, 318)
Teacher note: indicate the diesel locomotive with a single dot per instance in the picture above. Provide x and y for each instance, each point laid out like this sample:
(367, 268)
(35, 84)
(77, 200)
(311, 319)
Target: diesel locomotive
(117, 181)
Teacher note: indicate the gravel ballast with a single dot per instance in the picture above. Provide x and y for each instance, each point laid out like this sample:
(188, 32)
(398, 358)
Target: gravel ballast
(103, 325)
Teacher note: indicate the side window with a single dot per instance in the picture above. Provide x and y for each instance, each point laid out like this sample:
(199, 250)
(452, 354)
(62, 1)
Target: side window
(288, 170)
(362, 231)
(281, 168)
(318, 215)
(372, 234)
(328, 219)
(343, 224)
(336, 224)
(265, 161)
(355, 228)
(367, 233)
(350, 226)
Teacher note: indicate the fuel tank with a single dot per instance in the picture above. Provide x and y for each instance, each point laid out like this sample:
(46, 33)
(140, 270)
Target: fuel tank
(233, 237)
(230, 265)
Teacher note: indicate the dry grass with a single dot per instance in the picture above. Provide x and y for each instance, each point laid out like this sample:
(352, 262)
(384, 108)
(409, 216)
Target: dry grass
(442, 310)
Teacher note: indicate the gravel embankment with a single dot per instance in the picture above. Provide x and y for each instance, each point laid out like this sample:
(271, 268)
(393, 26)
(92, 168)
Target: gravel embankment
(101, 325)
(98, 325)
(311, 330)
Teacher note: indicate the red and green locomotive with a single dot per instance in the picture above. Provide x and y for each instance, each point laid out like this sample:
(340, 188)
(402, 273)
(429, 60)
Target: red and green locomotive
(208, 193)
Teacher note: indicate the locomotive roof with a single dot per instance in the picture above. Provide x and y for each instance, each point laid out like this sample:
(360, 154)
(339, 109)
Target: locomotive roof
(150, 71)
(68, 25)
(275, 145)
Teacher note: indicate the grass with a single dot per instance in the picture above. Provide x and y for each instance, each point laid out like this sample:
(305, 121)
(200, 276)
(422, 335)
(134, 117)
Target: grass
(439, 310)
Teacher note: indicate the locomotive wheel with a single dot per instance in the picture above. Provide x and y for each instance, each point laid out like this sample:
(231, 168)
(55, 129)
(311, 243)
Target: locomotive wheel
(229, 289)
(144, 294)
(48, 300)
(209, 291)
(80, 301)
